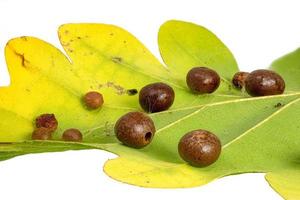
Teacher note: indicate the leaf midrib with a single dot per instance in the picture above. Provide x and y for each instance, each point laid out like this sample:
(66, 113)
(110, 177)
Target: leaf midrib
(233, 141)
(102, 146)
(261, 122)
(202, 107)
(227, 102)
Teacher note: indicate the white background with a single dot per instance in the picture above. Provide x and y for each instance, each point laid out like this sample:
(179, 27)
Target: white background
(257, 32)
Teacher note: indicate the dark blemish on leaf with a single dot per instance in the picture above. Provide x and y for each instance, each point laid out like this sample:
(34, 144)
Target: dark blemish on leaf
(24, 38)
(6, 143)
(132, 92)
(78, 37)
(27, 90)
(147, 181)
(278, 105)
(124, 41)
(86, 36)
(119, 89)
(100, 86)
(116, 59)
(71, 40)
(111, 34)
(70, 50)
(24, 62)
(66, 32)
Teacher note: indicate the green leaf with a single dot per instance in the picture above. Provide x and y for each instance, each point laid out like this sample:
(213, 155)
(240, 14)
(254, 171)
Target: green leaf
(185, 45)
(253, 144)
(289, 67)
(286, 183)
(258, 134)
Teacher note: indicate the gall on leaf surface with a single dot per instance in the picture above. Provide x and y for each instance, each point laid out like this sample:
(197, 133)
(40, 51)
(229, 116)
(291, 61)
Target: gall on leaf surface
(258, 134)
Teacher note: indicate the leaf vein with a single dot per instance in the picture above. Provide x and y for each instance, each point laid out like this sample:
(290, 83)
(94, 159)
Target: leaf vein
(261, 123)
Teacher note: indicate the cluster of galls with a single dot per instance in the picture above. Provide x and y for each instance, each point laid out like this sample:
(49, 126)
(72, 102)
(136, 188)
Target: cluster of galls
(136, 129)
(260, 82)
(46, 124)
(199, 147)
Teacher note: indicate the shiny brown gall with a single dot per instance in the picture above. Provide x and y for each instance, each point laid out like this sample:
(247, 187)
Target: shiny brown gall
(156, 97)
(199, 148)
(202, 80)
(72, 134)
(264, 82)
(135, 129)
(93, 100)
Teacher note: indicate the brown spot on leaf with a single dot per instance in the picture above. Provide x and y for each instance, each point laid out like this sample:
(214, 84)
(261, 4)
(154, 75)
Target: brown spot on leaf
(278, 105)
(116, 59)
(24, 38)
(119, 89)
(24, 61)
(78, 37)
(132, 92)
(5, 143)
